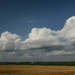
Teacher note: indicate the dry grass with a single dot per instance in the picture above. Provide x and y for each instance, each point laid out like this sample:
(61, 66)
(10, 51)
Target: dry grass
(36, 70)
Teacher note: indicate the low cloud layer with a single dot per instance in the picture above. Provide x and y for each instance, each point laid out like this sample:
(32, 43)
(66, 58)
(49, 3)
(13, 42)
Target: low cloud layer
(41, 43)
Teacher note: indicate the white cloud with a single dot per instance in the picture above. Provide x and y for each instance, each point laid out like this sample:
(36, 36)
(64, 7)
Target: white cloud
(55, 42)
(69, 29)
(58, 37)
(41, 34)
(9, 41)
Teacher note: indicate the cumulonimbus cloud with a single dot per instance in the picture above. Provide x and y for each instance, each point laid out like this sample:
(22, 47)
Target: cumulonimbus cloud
(43, 39)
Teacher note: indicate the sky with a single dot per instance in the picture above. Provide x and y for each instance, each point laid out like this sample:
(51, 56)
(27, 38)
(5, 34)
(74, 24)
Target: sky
(37, 30)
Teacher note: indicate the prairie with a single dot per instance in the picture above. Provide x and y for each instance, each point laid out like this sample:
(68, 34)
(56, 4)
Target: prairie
(36, 70)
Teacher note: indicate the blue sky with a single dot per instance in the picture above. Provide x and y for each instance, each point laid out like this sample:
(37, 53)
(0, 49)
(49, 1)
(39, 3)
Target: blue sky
(37, 30)
(20, 16)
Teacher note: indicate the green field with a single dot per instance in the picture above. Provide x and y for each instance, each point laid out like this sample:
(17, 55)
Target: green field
(40, 63)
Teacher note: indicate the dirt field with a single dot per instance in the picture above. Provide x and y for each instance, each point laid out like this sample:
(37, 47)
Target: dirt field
(36, 70)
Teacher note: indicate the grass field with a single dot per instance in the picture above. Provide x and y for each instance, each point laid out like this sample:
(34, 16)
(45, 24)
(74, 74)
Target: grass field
(36, 70)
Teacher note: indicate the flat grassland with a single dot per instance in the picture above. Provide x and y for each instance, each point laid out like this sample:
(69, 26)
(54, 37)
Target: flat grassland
(36, 70)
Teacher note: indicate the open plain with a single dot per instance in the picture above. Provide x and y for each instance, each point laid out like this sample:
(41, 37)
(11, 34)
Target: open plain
(36, 70)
